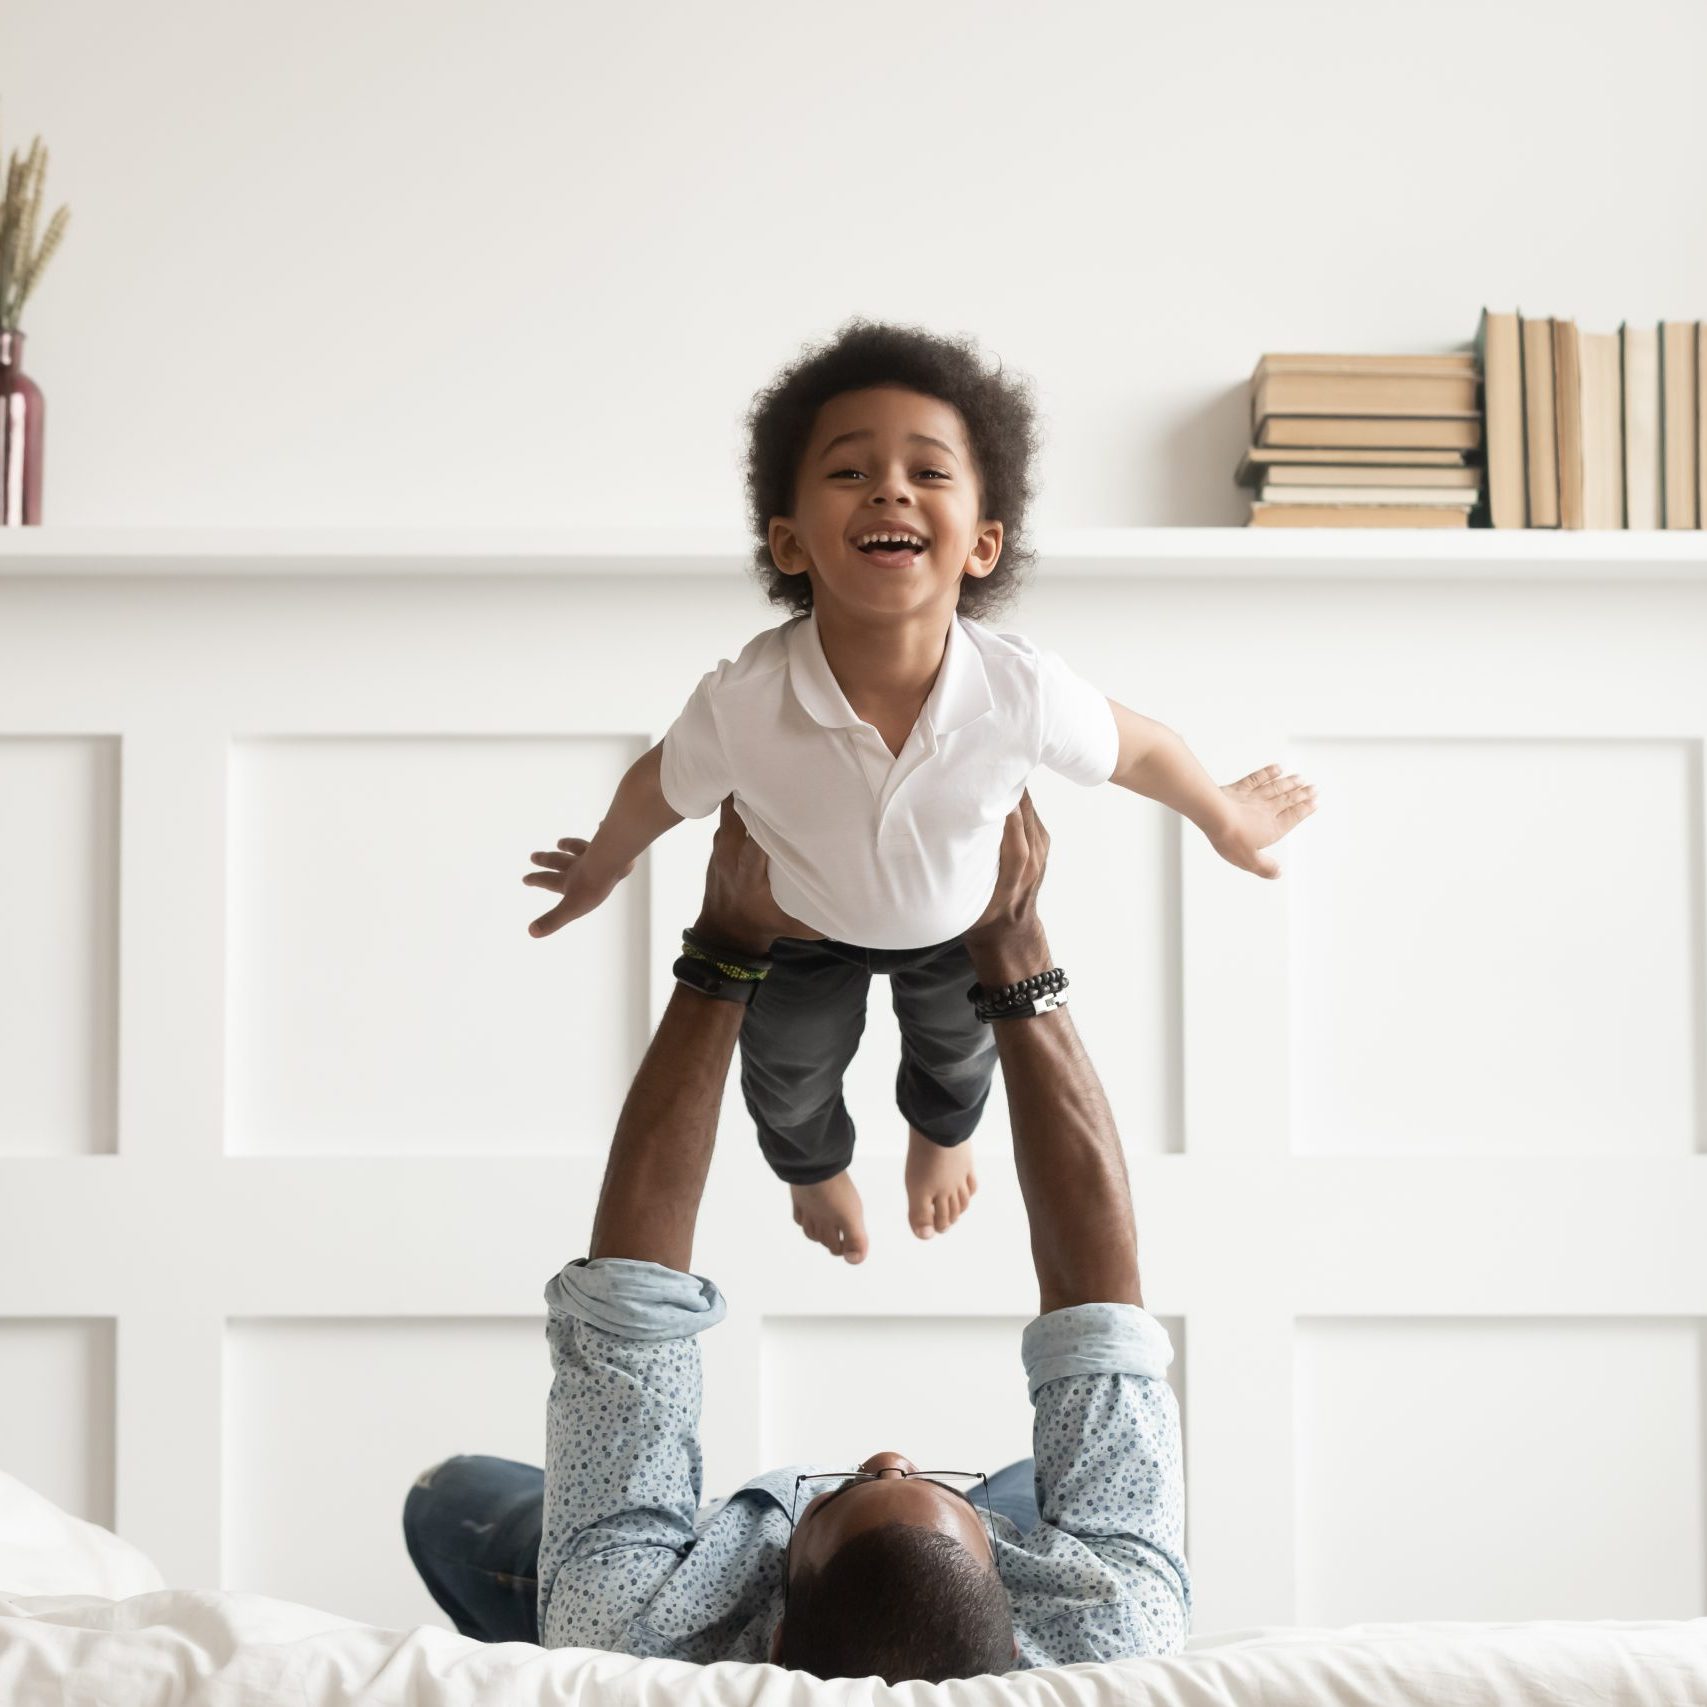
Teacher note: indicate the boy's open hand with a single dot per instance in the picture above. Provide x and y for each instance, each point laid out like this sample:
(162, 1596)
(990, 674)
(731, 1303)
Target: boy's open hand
(582, 885)
(1261, 808)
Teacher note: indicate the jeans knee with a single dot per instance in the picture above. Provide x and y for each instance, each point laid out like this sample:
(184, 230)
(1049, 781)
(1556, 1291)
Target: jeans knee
(425, 1479)
(418, 1499)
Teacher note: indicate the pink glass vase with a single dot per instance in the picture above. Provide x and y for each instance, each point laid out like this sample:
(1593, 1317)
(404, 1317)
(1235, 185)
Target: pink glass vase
(22, 412)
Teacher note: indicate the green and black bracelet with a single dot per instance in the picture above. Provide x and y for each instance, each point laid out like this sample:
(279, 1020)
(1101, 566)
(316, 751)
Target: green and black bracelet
(716, 969)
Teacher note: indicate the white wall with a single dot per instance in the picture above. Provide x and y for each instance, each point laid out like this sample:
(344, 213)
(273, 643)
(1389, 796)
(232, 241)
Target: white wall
(440, 262)
(443, 265)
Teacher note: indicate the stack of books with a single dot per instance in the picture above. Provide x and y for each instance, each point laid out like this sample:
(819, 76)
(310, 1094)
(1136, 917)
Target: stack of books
(1594, 429)
(1364, 441)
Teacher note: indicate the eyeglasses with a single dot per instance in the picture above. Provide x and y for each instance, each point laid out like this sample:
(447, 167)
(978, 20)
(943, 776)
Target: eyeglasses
(833, 1482)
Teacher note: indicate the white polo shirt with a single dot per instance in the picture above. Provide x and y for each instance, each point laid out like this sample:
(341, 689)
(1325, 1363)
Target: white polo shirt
(869, 847)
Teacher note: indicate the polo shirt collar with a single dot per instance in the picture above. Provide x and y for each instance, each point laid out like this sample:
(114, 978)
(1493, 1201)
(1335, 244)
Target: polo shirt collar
(960, 694)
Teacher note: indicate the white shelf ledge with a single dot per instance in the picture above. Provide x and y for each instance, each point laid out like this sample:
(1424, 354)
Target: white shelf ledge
(1138, 553)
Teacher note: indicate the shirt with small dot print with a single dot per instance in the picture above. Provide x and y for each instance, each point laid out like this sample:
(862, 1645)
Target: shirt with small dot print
(632, 1561)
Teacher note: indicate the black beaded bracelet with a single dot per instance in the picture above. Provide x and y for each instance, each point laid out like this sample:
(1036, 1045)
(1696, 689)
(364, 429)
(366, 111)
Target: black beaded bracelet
(1039, 994)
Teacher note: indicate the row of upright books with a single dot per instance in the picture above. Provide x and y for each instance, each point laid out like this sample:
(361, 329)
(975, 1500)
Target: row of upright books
(1365, 441)
(1540, 424)
(1594, 429)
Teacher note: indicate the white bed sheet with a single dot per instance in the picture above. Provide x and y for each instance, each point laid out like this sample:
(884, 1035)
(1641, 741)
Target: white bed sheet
(83, 1617)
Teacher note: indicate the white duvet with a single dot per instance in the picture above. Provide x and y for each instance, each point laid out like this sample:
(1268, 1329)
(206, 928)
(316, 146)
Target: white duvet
(86, 1618)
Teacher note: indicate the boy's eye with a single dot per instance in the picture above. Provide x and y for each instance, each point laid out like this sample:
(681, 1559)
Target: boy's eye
(940, 473)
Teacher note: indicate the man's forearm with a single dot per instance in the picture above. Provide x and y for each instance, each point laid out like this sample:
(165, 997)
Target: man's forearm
(661, 1154)
(1072, 1172)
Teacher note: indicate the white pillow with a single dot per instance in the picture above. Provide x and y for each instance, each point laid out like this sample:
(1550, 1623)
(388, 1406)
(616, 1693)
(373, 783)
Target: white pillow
(44, 1550)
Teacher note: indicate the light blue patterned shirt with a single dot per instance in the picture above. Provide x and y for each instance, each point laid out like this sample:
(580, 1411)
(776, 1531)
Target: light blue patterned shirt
(631, 1562)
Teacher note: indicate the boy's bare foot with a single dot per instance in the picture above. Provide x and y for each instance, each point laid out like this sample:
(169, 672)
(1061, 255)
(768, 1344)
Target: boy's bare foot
(940, 1183)
(832, 1213)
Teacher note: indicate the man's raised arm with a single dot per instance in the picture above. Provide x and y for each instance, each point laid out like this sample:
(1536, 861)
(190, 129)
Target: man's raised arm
(1106, 1425)
(1067, 1153)
(623, 1322)
(659, 1158)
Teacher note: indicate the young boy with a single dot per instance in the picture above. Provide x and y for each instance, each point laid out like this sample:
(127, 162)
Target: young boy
(875, 743)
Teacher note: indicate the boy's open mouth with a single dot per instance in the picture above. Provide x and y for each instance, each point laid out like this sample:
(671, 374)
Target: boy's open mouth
(892, 552)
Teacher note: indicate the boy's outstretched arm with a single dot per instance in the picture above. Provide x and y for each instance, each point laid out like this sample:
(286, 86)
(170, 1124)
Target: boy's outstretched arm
(584, 872)
(1239, 819)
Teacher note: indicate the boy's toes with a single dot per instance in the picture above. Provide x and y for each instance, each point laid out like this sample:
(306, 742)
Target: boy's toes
(939, 1184)
(829, 1213)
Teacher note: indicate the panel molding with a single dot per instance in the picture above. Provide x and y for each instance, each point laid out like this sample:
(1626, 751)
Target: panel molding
(1240, 646)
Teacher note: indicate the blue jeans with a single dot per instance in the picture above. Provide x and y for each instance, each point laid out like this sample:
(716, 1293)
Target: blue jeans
(472, 1526)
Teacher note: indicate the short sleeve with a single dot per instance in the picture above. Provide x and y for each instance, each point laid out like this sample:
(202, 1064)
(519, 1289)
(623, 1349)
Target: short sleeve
(694, 774)
(1080, 739)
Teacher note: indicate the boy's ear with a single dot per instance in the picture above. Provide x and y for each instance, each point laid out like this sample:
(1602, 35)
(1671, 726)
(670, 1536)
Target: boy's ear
(787, 552)
(986, 551)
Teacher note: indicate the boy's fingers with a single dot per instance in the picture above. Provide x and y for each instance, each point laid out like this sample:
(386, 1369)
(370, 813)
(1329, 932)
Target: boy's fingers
(575, 844)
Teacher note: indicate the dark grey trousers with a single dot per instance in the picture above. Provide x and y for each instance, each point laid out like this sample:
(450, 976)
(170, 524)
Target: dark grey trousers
(804, 1024)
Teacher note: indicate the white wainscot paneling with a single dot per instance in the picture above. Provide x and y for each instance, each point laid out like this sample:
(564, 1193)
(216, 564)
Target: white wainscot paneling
(58, 944)
(1493, 948)
(56, 1421)
(328, 1423)
(384, 996)
(1499, 1469)
(947, 1391)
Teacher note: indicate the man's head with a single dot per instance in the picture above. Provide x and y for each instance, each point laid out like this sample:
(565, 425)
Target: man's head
(893, 1577)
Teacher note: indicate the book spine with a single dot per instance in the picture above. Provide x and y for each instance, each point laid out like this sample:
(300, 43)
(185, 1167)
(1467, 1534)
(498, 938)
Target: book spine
(1449, 497)
(1356, 432)
(1700, 421)
(1540, 438)
(1356, 516)
(1603, 430)
(1639, 348)
(1568, 421)
(1358, 394)
(1502, 391)
(1678, 422)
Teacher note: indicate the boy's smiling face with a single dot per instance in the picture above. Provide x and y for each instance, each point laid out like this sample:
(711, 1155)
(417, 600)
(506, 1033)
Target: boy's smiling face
(886, 458)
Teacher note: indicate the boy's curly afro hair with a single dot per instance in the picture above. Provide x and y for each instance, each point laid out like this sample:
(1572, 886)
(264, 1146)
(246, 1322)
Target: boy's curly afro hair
(1001, 427)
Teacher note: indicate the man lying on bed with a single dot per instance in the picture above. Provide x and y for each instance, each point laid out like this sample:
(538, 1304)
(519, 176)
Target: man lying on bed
(1075, 1556)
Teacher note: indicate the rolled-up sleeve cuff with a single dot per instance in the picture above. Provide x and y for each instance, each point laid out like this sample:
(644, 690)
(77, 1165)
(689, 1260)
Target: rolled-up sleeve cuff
(1094, 1339)
(636, 1300)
